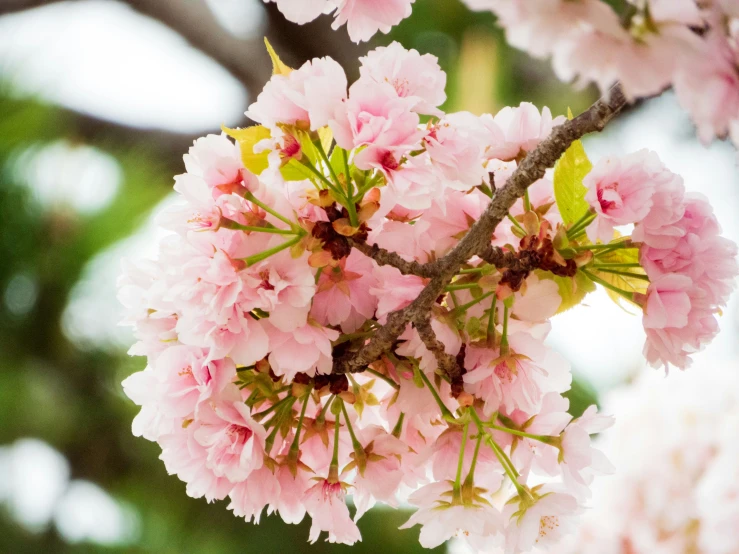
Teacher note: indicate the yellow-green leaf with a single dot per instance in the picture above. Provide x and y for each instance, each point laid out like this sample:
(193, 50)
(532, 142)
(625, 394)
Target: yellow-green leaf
(296, 171)
(278, 67)
(623, 282)
(569, 192)
(572, 290)
(246, 139)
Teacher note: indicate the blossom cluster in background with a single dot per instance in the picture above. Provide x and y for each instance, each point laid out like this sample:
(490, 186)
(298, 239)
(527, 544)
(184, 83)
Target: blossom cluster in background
(264, 288)
(676, 487)
(363, 18)
(649, 46)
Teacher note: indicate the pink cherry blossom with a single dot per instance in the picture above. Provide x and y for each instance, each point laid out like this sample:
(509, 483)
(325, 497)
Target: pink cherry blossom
(541, 524)
(441, 521)
(308, 95)
(411, 74)
(292, 488)
(302, 11)
(144, 388)
(707, 85)
(376, 117)
(325, 503)
(284, 287)
(518, 130)
(659, 228)
(185, 457)
(620, 191)
(455, 145)
(393, 290)
(580, 461)
(364, 18)
(343, 296)
(187, 379)
(251, 496)
(214, 159)
(517, 380)
(668, 302)
(412, 185)
(538, 300)
(701, 253)
(383, 474)
(303, 350)
(233, 440)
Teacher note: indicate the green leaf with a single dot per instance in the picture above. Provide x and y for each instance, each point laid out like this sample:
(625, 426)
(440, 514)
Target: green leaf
(569, 191)
(246, 139)
(337, 160)
(572, 290)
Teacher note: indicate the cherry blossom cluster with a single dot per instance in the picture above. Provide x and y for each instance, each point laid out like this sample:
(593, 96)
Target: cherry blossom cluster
(692, 45)
(690, 267)
(363, 18)
(685, 496)
(296, 244)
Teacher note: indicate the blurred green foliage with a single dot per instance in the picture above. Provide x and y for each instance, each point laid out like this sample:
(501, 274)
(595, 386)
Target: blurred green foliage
(70, 396)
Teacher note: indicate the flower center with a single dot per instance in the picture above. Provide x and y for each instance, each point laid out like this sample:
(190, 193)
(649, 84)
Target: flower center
(547, 524)
(239, 435)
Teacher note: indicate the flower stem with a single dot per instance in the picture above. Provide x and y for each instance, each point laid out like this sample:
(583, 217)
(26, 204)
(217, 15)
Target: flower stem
(444, 410)
(461, 286)
(460, 462)
(491, 323)
(624, 273)
(355, 443)
(526, 201)
(471, 270)
(347, 175)
(580, 225)
(385, 378)
(399, 425)
(322, 414)
(324, 156)
(296, 441)
(610, 265)
(459, 310)
(504, 336)
(251, 260)
(277, 422)
(230, 224)
(503, 458)
(254, 200)
(272, 408)
(541, 438)
(333, 470)
(470, 479)
(627, 295)
(610, 246)
(515, 222)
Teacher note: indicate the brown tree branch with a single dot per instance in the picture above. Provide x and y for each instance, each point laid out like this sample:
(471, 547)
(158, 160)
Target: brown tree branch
(13, 6)
(447, 363)
(169, 146)
(531, 169)
(502, 259)
(385, 257)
